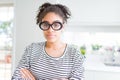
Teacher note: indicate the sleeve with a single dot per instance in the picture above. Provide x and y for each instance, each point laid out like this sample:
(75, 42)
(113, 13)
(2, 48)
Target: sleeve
(78, 68)
(23, 63)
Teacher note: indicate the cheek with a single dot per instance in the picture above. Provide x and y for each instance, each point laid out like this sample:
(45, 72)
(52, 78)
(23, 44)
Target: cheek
(59, 33)
(44, 33)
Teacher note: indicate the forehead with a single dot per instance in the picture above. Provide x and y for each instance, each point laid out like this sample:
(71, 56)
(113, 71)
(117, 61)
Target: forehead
(51, 17)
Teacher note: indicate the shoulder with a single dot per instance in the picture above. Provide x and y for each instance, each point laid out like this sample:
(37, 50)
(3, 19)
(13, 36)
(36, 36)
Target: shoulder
(34, 48)
(35, 45)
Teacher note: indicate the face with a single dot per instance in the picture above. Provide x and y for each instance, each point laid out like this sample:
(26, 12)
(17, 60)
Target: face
(52, 35)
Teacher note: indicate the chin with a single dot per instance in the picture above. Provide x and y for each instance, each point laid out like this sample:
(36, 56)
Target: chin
(51, 41)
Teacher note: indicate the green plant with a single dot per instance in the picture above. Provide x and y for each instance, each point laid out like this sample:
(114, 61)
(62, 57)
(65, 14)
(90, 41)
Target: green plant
(5, 27)
(6, 30)
(96, 46)
(83, 49)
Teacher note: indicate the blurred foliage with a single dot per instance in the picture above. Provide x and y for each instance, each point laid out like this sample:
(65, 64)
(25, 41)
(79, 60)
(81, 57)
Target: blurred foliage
(96, 46)
(5, 27)
(6, 30)
(83, 49)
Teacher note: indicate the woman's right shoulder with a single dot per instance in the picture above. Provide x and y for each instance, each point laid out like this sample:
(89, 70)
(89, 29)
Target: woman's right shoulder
(35, 44)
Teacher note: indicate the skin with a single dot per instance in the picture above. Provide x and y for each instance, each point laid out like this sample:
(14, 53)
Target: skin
(54, 46)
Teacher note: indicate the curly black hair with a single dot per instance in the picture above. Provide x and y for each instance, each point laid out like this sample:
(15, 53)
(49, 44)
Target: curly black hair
(59, 9)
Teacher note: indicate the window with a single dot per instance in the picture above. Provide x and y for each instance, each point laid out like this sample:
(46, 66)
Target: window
(6, 38)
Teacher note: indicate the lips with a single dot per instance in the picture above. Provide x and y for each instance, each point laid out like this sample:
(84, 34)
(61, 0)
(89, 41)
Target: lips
(50, 36)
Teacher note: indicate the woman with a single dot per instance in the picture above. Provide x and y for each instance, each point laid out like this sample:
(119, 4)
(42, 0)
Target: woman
(52, 59)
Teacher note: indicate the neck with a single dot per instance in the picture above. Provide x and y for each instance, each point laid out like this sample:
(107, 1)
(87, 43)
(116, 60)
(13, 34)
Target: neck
(54, 45)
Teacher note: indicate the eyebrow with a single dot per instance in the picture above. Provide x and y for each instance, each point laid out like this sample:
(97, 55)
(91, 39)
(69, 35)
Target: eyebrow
(53, 21)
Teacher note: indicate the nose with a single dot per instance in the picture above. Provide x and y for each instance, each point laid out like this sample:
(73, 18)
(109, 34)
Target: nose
(50, 29)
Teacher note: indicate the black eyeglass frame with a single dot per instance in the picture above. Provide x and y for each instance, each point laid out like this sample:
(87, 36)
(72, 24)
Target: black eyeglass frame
(50, 25)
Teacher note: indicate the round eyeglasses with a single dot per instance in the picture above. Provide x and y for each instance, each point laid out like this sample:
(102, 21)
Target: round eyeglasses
(55, 26)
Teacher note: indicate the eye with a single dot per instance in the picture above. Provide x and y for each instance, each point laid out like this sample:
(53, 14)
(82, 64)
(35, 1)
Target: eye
(57, 25)
(44, 25)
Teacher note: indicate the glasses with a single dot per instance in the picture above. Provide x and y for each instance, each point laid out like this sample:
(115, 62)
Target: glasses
(55, 26)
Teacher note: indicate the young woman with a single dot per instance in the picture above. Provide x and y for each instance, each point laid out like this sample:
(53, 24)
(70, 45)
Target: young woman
(52, 59)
